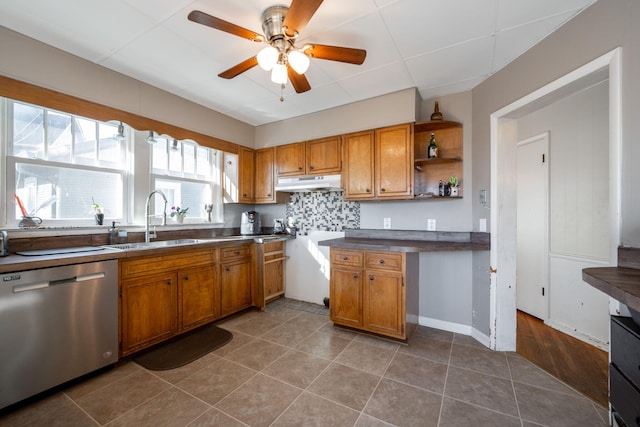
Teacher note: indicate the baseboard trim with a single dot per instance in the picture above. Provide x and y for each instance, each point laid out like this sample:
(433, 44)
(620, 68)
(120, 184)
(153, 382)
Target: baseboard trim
(458, 328)
(578, 335)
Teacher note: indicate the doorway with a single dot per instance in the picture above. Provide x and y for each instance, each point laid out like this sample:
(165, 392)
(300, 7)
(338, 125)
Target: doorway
(504, 135)
(532, 286)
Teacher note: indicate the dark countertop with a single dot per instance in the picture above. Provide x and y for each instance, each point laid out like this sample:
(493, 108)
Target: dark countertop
(410, 241)
(15, 263)
(621, 283)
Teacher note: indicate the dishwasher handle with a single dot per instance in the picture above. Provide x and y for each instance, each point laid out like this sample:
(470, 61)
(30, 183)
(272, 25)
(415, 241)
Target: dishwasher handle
(42, 285)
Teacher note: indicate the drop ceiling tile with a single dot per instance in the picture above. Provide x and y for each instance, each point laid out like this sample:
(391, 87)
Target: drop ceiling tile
(388, 79)
(166, 58)
(421, 26)
(431, 92)
(513, 42)
(462, 62)
(337, 16)
(381, 49)
(159, 10)
(517, 12)
(90, 29)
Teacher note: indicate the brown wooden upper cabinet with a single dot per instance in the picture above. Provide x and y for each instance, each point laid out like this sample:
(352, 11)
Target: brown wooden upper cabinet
(379, 163)
(246, 167)
(264, 176)
(316, 157)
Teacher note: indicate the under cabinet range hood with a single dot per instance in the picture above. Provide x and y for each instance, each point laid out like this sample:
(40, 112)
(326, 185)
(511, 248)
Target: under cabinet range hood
(309, 183)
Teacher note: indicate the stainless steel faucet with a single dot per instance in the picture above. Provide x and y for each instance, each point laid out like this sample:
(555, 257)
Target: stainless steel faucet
(147, 234)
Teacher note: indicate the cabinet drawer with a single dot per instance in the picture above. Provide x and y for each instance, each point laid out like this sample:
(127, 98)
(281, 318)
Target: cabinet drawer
(273, 246)
(236, 252)
(343, 257)
(625, 347)
(383, 260)
(625, 398)
(155, 264)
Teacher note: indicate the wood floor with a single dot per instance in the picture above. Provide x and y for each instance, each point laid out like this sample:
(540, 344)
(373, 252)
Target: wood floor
(582, 366)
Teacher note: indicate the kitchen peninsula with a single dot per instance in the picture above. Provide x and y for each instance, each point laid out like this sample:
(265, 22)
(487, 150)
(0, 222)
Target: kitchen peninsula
(374, 284)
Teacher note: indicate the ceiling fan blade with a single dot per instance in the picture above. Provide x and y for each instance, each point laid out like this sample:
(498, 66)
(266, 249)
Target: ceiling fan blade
(298, 81)
(336, 53)
(219, 24)
(299, 14)
(240, 68)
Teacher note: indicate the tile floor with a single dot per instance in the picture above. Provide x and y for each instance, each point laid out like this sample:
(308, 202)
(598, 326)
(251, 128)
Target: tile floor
(289, 366)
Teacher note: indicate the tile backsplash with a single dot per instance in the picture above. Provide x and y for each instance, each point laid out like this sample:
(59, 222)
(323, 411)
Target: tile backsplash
(322, 211)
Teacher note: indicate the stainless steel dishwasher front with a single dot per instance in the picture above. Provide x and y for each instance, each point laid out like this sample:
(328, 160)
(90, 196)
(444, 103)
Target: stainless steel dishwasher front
(56, 324)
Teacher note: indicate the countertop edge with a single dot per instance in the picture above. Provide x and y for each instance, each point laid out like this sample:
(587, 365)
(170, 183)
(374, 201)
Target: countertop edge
(399, 245)
(620, 283)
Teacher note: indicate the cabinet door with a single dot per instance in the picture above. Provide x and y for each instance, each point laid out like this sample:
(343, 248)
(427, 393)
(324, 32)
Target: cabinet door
(149, 311)
(273, 278)
(264, 189)
(290, 159)
(358, 149)
(394, 162)
(246, 170)
(384, 303)
(235, 284)
(324, 156)
(230, 178)
(345, 295)
(198, 297)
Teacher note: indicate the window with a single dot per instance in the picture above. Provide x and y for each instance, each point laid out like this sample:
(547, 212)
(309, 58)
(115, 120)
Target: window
(189, 176)
(58, 164)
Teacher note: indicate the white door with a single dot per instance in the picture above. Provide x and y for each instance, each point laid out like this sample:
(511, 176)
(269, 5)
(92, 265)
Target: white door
(532, 269)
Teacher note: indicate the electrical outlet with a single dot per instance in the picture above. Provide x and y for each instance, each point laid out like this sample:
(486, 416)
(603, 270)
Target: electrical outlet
(431, 224)
(483, 225)
(387, 223)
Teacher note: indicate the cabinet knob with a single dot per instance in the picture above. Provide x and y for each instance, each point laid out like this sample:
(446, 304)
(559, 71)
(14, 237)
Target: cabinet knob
(382, 189)
(186, 277)
(371, 277)
(227, 269)
(345, 258)
(236, 252)
(355, 275)
(300, 168)
(244, 195)
(169, 282)
(311, 167)
(368, 190)
(381, 261)
(269, 195)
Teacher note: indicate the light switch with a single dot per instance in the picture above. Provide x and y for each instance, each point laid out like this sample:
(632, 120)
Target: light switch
(387, 223)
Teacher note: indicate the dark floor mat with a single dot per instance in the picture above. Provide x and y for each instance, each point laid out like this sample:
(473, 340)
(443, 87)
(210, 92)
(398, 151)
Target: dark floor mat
(184, 349)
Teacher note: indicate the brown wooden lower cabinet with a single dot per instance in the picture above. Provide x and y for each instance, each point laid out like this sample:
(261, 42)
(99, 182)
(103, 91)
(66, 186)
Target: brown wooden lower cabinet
(375, 291)
(165, 295)
(235, 279)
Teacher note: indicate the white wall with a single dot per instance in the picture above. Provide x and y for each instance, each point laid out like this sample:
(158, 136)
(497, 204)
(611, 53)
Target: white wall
(394, 108)
(34, 62)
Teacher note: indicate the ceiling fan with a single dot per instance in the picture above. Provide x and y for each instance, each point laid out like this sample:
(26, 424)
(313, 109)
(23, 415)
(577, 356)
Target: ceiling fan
(281, 26)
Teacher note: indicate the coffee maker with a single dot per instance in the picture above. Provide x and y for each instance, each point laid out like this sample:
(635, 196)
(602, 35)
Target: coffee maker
(250, 223)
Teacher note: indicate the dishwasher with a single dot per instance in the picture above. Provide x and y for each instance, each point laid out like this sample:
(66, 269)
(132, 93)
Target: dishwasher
(56, 324)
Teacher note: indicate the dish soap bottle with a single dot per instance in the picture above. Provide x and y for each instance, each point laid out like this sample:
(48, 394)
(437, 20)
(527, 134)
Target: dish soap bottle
(432, 149)
(113, 233)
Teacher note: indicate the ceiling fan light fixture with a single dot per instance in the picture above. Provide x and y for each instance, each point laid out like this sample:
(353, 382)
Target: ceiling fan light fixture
(298, 61)
(279, 73)
(268, 57)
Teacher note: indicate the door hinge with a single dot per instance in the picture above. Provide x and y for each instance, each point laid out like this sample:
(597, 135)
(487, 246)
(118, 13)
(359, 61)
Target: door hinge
(542, 291)
(543, 155)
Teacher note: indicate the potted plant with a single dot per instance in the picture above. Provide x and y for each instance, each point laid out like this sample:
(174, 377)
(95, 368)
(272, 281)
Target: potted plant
(455, 190)
(97, 211)
(178, 213)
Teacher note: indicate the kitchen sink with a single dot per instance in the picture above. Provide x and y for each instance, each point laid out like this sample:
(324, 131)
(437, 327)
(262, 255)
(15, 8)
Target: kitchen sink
(157, 244)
